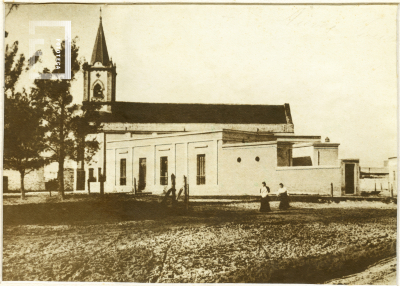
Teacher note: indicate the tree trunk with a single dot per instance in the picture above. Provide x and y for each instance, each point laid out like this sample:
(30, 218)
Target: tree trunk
(101, 185)
(61, 157)
(61, 178)
(22, 173)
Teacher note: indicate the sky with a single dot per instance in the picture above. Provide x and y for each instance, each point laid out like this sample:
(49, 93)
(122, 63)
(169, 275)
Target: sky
(334, 64)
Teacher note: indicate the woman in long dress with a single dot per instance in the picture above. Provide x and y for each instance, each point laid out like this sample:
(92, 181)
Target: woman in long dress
(264, 198)
(283, 195)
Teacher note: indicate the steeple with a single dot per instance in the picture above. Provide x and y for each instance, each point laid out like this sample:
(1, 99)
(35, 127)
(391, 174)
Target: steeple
(100, 75)
(100, 53)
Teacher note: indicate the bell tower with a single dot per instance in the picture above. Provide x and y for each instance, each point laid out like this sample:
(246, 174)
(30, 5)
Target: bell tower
(100, 74)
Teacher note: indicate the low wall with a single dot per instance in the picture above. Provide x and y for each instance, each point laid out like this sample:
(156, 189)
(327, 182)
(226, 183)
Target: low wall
(368, 185)
(310, 180)
(34, 181)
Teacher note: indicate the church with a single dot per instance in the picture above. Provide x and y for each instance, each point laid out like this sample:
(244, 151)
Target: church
(222, 149)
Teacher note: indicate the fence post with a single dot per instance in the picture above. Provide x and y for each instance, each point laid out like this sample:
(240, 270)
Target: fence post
(101, 184)
(391, 190)
(375, 186)
(186, 193)
(332, 190)
(173, 189)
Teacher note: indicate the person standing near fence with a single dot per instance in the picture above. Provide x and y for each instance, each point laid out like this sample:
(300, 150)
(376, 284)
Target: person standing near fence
(264, 198)
(283, 195)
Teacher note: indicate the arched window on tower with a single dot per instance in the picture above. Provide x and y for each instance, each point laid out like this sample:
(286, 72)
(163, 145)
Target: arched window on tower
(98, 92)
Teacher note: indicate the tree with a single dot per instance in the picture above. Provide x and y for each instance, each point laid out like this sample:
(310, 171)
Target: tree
(23, 136)
(65, 122)
(87, 123)
(23, 133)
(13, 67)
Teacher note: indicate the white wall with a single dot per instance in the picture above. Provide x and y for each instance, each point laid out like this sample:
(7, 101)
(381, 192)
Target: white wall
(181, 150)
(310, 180)
(33, 181)
(327, 156)
(245, 178)
(368, 184)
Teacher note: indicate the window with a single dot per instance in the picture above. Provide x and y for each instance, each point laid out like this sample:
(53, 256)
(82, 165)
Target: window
(122, 168)
(258, 159)
(99, 174)
(239, 160)
(201, 169)
(142, 174)
(98, 91)
(163, 171)
(91, 175)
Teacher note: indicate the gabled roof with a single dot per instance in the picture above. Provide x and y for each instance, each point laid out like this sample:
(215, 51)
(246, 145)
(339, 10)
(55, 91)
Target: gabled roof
(135, 112)
(100, 53)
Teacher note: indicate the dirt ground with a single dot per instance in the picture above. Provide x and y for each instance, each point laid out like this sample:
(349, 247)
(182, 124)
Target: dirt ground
(380, 273)
(123, 238)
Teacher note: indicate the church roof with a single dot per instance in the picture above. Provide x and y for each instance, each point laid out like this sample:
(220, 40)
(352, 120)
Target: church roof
(100, 53)
(135, 112)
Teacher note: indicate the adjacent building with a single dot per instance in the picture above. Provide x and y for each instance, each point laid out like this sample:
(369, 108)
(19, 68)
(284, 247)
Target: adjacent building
(393, 173)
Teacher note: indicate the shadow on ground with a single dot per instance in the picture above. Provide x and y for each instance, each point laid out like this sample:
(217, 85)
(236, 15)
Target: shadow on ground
(107, 209)
(111, 208)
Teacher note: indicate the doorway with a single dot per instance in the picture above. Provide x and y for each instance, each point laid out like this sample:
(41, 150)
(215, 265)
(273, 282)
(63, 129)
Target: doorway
(80, 180)
(142, 174)
(349, 179)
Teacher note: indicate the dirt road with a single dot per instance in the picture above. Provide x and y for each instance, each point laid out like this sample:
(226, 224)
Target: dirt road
(123, 238)
(381, 273)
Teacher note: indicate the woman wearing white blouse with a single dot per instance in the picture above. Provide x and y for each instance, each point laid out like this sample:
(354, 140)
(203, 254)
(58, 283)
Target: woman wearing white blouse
(283, 195)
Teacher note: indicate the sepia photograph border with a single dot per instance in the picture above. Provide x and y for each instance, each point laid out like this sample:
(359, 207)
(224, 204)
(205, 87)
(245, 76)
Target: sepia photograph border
(188, 2)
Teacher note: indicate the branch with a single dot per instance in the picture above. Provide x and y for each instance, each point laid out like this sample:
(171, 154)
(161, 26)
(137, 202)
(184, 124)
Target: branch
(29, 171)
(51, 148)
(13, 6)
